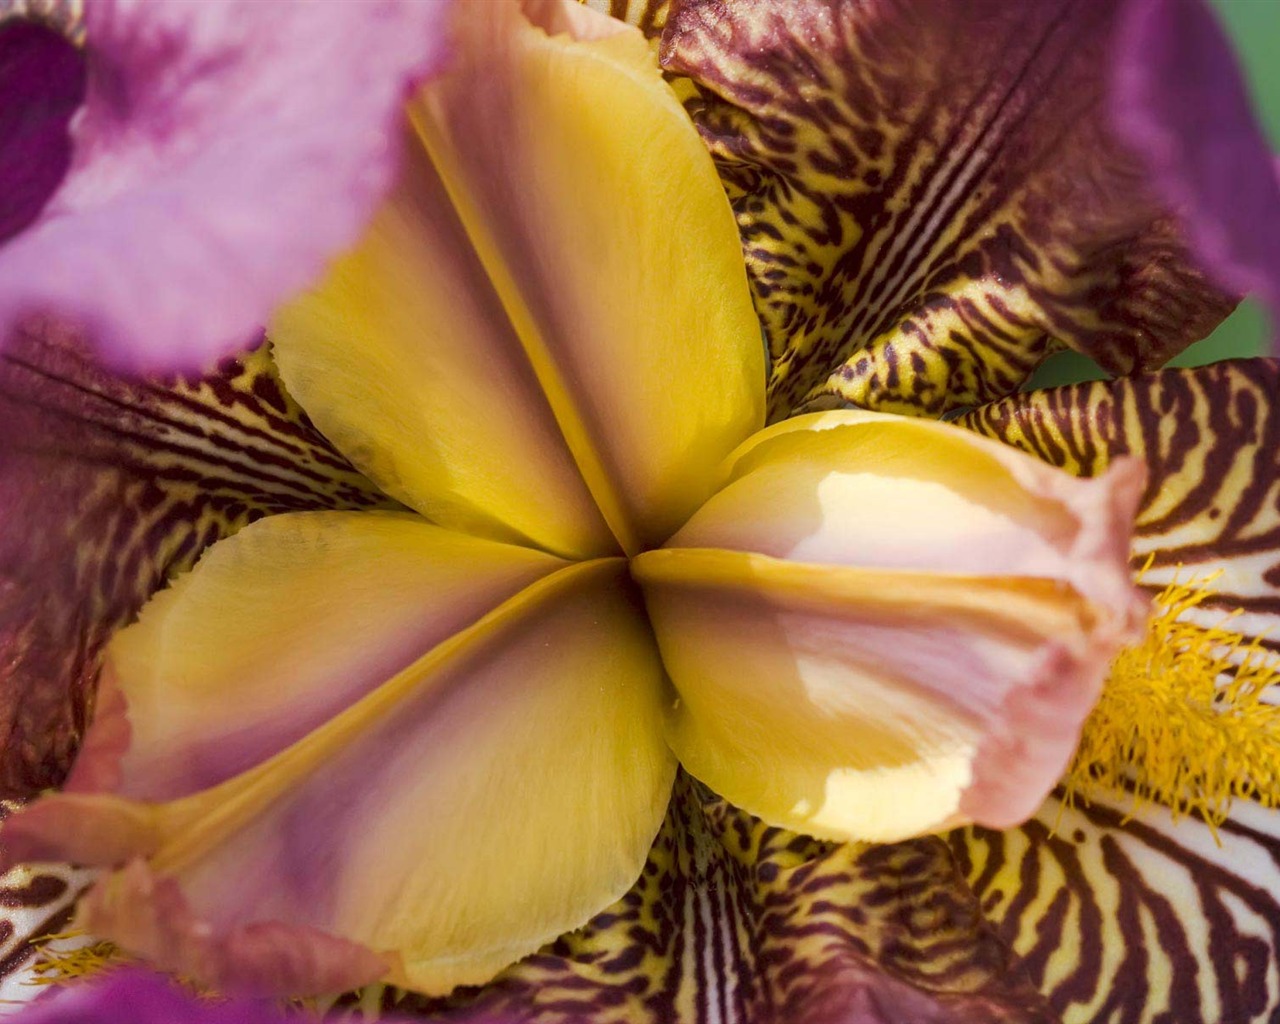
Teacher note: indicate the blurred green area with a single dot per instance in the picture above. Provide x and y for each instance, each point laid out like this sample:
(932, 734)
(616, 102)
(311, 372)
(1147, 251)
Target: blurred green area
(1254, 26)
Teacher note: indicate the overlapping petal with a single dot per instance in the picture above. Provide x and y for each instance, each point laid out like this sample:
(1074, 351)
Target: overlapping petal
(279, 629)
(840, 682)
(1210, 438)
(223, 153)
(610, 243)
(933, 197)
(406, 838)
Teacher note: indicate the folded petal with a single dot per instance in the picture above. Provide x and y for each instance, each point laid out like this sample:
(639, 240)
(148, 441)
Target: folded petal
(609, 241)
(933, 197)
(223, 153)
(279, 629)
(838, 681)
(108, 486)
(733, 920)
(1210, 439)
(1124, 915)
(437, 402)
(488, 797)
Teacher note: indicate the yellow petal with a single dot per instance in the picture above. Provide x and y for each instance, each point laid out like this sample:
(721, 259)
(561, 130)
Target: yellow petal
(405, 359)
(489, 797)
(599, 216)
(284, 625)
(881, 626)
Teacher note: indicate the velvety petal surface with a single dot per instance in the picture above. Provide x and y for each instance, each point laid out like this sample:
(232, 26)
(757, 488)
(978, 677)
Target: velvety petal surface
(223, 153)
(1181, 100)
(611, 246)
(736, 922)
(108, 486)
(836, 680)
(485, 799)
(279, 629)
(1210, 438)
(933, 197)
(42, 83)
(1132, 918)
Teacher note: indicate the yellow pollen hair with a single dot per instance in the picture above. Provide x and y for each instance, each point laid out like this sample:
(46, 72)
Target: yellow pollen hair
(1182, 720)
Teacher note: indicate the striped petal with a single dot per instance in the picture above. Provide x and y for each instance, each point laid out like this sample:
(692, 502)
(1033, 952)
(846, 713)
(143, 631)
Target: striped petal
(933, 197)
(838, 680)
(430, 834)
(1130, 918)
(1210, 437)
(108, 486)
(736, 922)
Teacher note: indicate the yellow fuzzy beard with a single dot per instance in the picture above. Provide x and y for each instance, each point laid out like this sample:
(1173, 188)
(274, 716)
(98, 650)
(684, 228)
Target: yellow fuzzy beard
(1182, 721)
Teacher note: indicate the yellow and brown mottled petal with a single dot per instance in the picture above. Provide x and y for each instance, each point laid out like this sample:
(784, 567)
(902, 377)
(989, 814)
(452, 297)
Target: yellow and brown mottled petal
(930, 197)
(1210, 437)
(1133, 919)
(106, 488)
(736, 922)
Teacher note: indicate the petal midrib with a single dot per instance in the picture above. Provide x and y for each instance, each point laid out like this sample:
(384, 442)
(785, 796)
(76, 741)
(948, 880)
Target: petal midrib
(272, 779)
(568, 414)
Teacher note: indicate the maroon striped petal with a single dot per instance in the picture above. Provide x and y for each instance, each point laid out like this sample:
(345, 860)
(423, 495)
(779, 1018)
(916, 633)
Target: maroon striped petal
(107, 487)
(932, 197)
(735, 921)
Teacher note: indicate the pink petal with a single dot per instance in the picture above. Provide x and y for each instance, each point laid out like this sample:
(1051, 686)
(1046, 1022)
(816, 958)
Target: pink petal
(225, 152)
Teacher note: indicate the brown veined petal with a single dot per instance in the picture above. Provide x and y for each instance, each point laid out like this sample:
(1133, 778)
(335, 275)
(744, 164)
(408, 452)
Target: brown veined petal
(601, 221)
(1210, 437)
(737, 922)
(108, 486)
(279, 629)
(878, 628)
(1126, 916)
(492, 795)
(931, 197)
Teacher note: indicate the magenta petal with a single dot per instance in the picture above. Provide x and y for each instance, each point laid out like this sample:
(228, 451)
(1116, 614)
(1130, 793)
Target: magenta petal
(1182, 104)
(42, 83)
(225, 151)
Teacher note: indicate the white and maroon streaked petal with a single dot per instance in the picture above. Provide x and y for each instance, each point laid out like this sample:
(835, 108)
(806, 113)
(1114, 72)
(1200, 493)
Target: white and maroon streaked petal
(1210, 438)
(838, 680)
(275, 631)
(599, 217)
(107, 487)
(224, 153)
(413, 826)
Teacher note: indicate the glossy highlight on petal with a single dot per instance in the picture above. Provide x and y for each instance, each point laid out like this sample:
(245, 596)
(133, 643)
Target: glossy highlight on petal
(835, 680)
(224, 152)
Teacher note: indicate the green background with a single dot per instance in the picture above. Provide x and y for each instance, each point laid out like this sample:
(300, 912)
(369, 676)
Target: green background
(1254, 26)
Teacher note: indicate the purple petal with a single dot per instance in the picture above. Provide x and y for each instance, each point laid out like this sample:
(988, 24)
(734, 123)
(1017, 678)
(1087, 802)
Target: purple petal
(1181, 102)
(225, 151)
(141, 997)
(42, 83)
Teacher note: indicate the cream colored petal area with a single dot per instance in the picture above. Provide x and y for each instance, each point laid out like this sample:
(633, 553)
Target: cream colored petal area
(491, 796)
(879, 491)
(284, 625)
(867, 703)
(601, 220)
(404, 357)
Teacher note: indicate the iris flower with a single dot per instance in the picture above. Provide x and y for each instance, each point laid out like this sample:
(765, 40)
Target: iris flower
(1002, 611)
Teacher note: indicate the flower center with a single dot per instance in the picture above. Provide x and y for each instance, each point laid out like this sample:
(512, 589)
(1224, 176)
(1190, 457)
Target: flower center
(42, 84)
